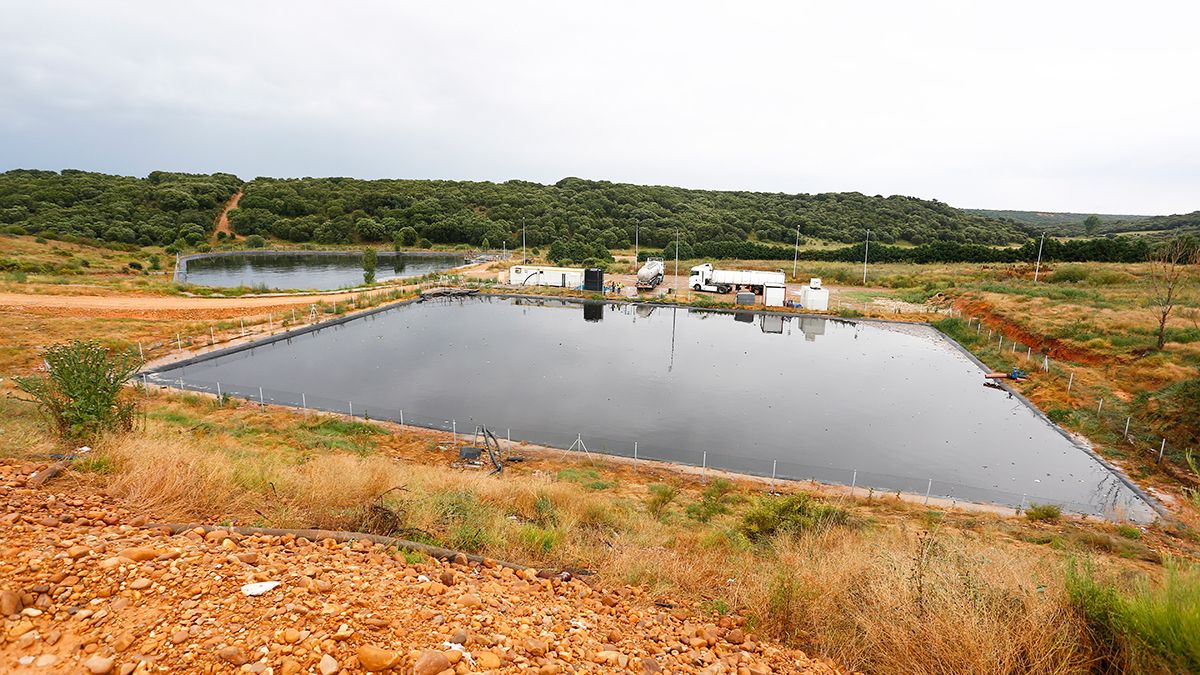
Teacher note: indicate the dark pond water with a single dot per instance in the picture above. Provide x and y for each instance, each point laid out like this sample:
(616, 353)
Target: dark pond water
(890, 407)
(318, 271)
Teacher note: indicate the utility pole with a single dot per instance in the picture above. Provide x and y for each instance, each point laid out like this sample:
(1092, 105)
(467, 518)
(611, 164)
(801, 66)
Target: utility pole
(677, 262)
(866, 248)
(1038, 267)
(796, 254)
(637, 234)
(523, 259)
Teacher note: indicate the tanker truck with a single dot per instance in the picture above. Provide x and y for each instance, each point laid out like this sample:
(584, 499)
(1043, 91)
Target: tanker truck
(705, 278)
(650, 275)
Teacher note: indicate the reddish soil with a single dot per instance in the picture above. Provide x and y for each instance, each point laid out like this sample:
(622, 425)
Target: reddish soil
(1057, 349)
(223, 220)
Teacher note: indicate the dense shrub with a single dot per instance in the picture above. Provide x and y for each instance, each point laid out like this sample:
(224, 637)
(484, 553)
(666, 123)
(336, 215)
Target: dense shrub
(81, 392)
(255, 241)
(1043, 512)
(792, 513)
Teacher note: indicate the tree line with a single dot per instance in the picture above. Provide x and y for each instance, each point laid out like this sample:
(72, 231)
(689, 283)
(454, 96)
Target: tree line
(161, 209)
(578, 220)
(1109, 249)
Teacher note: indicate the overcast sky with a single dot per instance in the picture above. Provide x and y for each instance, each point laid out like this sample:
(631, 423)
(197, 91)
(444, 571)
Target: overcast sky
(1069, 106)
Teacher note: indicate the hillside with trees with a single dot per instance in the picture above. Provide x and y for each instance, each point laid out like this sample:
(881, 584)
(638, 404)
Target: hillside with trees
(341, 210)
(1096, 224)
(160, 209)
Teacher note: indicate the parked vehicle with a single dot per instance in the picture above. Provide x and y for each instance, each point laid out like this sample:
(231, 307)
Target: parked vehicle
(705, 278)
(650, 275)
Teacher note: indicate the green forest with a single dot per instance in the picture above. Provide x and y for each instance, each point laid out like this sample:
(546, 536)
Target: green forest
(576, 219)
(160, 209)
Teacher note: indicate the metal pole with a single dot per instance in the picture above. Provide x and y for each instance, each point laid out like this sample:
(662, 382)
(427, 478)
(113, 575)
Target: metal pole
(1126, 434)
(212, 337)
(1100, 406)
(261, 403)
(1070, 381)
(796, 254)
(853, 482)
(928, 490)
(637, 235)
(1022, 506)
(242, 326)
(774, 463)
(1038, 268)
(1029, 353)
(455, 427)
(218, 391)
(704, 462)
(866, 248)
(523, 258)
(178, 342)
(304, 403)
(141, 354)
(677, 262)
(351, 409)
(1161, 449)
(402, 417)
(293, 315)
(635, 457)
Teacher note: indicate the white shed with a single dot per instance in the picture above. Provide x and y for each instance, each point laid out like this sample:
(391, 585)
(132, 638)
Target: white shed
(773, 294)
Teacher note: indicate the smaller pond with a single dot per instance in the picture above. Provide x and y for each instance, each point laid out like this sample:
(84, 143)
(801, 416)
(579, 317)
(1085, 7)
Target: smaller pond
(303, 270)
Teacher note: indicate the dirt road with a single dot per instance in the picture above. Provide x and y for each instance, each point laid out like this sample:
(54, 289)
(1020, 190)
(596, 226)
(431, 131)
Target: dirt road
(223, 221)
(157, 306)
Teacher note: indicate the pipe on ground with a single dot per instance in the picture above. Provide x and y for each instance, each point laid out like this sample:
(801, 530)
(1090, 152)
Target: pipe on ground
(336, 535)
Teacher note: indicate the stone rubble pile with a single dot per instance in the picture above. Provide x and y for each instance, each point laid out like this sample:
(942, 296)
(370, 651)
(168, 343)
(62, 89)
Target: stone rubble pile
(84, 588)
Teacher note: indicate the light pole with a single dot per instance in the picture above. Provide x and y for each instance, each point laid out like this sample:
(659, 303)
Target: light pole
(523, 259)
(1038, 267)
(677, 262)
(796, 254)
(866, 247)
(637, 234)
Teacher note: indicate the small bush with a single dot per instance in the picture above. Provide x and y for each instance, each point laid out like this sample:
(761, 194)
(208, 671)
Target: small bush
(1129, 532)
(1043, 512)
(255, 241)
(538, 539)
(81, 392)
(1059, 415)
(589, 478)
(793, 513)
(660, 497)
(135, 265)
(1071, 274)
(1150, 628)
(714, 501)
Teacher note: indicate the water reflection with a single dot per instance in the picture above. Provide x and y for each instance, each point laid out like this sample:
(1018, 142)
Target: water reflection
(309, 270)
(896, 406)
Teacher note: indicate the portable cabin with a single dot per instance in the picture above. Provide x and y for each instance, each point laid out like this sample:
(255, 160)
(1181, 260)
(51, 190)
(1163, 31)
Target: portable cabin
(545, 275)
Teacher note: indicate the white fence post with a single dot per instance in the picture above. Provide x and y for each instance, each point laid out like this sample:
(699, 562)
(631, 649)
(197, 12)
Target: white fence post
(635, 457)
(304, 403)
(853, 482)
(1070, 381)
(261, 402)
(927, 491)
(218, 391)
(1161, 449)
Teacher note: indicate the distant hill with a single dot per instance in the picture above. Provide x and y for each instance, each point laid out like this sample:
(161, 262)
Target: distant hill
(1053, 219)
(1178, 223)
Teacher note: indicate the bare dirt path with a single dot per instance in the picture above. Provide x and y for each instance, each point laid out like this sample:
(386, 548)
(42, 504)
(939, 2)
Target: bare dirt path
(223, 221)
(156, 306)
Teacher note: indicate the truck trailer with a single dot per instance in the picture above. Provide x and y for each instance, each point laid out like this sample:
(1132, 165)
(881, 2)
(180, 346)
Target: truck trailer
(705, 278)
(650, 275)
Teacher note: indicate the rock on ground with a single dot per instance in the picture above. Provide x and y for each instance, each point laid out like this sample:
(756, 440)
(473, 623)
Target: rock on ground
(83, 588)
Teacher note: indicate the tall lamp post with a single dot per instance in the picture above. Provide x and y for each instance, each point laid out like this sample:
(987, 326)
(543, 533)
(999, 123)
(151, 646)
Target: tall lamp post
(796, 254)
(1038, 267)
(866, 248)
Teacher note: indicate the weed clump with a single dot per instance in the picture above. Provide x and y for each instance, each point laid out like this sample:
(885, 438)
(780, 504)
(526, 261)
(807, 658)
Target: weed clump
(1150, 628)
(792, 514)
(661, 496)
(714, 501)
(1049, 513)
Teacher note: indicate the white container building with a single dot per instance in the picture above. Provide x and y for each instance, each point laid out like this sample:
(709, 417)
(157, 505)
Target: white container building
(773, 294)
(543, 275)
(814, 297)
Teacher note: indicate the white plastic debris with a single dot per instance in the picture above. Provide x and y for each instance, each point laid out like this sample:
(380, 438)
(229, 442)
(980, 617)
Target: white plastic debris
(259, 588)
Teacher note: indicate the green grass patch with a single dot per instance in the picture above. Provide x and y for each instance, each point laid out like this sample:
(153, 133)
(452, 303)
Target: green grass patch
(588, 478)
(1043, 512)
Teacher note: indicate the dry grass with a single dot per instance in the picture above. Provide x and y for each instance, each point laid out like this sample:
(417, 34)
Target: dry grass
(902, 590)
